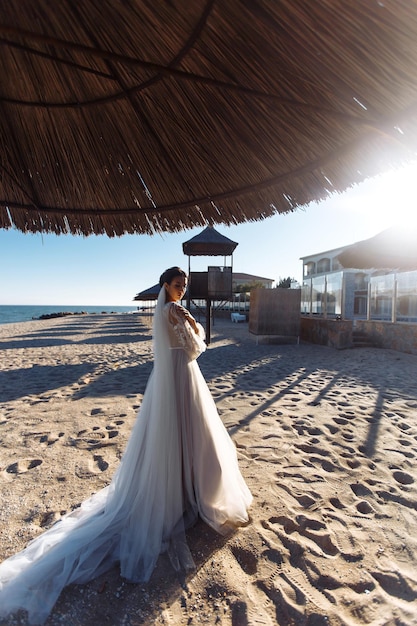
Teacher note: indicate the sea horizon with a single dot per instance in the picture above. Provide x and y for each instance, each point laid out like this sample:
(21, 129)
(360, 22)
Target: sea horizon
(15, 313)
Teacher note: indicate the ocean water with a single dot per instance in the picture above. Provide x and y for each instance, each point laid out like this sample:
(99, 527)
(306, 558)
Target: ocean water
(24, 313)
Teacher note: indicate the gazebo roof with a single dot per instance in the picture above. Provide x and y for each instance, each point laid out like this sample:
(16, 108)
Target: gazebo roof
(144, 117)
(209, 243)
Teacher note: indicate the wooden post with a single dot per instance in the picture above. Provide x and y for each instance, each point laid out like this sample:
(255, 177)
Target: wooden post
(208, 320)
(188, 286)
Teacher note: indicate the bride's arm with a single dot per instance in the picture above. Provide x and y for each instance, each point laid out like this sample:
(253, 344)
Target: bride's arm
(189, 318)
(189, 332)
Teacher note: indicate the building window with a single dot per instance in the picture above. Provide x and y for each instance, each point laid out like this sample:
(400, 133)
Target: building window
(309, 268)
(360, 305)
(361, 281)
(323, 266)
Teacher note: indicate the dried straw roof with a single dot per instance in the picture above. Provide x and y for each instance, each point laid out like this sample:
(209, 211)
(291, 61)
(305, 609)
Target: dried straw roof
(392, 249)
(141, 117)
(148, 294)
(209, 243)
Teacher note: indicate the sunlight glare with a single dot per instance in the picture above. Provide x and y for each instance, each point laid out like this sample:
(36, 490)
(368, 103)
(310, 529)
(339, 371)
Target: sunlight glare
(386, 200)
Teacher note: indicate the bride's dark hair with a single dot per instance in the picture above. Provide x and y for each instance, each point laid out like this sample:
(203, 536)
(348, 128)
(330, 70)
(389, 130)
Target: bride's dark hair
(169, 275)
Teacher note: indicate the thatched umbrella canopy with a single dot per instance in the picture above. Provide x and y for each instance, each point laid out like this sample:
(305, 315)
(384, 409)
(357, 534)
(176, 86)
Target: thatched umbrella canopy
(148, 294)
(209, 243)
(139, 117)
(392, 249)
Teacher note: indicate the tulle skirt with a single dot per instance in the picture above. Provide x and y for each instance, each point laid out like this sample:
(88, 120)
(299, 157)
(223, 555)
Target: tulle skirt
(180, 463)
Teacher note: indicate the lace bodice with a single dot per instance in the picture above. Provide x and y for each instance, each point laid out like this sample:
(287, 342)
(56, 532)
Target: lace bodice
(181, 332)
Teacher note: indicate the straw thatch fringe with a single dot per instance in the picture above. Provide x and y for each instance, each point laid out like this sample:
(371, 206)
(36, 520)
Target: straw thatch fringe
(148, 117)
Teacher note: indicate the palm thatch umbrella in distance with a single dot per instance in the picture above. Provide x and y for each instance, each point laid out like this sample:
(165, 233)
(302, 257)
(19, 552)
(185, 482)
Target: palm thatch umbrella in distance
(143, 117)
(148, 294)
(392, 249)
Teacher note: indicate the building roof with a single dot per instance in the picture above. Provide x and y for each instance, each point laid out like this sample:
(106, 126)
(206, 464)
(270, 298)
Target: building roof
(145, 117)
(249, 277)
(152, 292)
(334, 252)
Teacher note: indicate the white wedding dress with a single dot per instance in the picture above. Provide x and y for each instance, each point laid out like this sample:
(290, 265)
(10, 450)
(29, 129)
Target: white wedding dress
(180, 463)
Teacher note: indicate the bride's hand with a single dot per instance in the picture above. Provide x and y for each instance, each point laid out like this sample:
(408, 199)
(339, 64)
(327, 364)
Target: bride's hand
(187, 316)
(192, 322)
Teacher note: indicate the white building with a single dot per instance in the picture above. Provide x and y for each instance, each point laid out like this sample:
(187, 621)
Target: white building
(331, 290)
(239, 279)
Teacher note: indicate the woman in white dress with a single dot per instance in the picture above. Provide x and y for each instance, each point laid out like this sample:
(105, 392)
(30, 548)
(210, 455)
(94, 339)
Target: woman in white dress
(180, 463)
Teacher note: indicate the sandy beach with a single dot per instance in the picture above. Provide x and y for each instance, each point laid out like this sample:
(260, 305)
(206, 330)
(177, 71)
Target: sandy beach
(326, 439)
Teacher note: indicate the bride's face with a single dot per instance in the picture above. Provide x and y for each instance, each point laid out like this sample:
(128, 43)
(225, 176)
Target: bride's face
(175, 290)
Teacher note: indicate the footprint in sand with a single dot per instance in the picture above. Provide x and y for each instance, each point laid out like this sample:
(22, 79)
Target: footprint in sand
(336, 503)
(353, 463)
(305, 500)
(94, 466)
(329, 467)
(43, 519)
(23, 466)
(113, 425)
(360, 490)
(46, 437)
(49, 518)
(342, 421)
(95, 438)
(97, 411)
(112, 431)
(405, 442)
(333, 429)
(307, 527)
(396, 584)
(314, 431)
(364, 507)
(51, 438)
(246, 559)
(403, 478)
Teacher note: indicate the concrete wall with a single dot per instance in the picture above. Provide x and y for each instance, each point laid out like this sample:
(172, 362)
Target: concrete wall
(400, 336)
(326, 332)
(275, 313)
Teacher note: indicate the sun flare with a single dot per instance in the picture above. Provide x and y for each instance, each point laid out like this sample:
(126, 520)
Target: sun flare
(388, 200)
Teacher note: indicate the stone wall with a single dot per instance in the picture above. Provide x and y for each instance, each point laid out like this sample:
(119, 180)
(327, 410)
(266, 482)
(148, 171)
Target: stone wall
(400, 336)
(326, 332)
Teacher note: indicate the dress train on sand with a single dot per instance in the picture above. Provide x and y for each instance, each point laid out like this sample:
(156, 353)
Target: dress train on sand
(179, 463)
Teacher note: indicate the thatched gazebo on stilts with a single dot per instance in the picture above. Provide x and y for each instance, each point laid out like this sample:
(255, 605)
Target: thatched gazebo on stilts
(216, 283)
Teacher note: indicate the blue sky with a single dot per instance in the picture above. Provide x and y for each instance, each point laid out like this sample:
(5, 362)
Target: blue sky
(97, 270)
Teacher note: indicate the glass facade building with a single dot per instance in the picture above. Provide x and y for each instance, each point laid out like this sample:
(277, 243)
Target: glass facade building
(351, 294)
